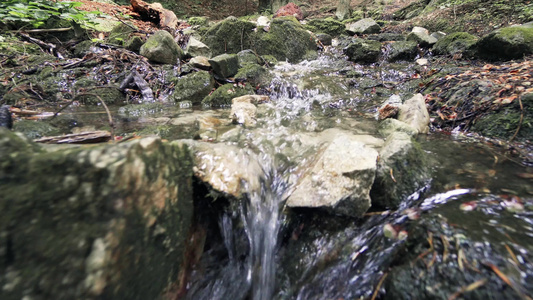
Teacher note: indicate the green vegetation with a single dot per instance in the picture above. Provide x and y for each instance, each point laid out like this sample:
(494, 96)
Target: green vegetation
(39, 13)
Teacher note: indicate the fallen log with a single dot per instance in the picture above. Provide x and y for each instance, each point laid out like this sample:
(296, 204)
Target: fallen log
(155, 13)
(77, 138)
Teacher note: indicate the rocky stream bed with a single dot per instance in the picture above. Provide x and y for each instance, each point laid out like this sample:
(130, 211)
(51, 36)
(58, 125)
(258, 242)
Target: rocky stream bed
(271, 158)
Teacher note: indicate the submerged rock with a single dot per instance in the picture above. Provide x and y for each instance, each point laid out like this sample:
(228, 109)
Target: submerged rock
(339, 178)
(161, 48)
(98, 222)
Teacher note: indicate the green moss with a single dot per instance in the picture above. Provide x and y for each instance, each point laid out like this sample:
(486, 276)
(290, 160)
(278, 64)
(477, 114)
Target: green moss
(506, 43)
(223, 95)
(328, 25)
(193, 87)
(35, 129)
(504, 123)
(229, 36)
(286, 40)
(254, 74)
(200, 21)
(454, 43)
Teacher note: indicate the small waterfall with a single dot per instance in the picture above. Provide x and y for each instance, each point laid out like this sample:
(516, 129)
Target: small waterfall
(260, 212)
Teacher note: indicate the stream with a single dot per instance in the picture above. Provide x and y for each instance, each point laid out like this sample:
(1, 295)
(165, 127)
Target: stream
(467, 233)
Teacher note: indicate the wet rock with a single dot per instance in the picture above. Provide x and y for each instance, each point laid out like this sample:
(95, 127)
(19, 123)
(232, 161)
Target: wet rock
(110, 95)
(222, 96)
(6, 120)
(197, 48)
(414, 113)
(225, 65)
(339, 179)
(135, 111)
(229, 36)
(365, 51)
(506, 43)
(254, 74)
(390, 108)
(402, 50)
(254, 99)
(200, 62)
(243, 113)
(327, 25)
(161, 48)
(457, 42)
(290, 9)
(390, 125)
(91, 223)
(364, 26)
(402, 170)
(324, 39)
(193, 87)
(286, 40)
(225, 167)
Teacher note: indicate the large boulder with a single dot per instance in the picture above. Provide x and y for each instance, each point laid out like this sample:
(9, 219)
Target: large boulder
(229, 36)
(402, 170)
(286, 40)
(364, 26)
(506, 43)
(104, 222)
(340, 177)
(365, 51)
(193, 87)
(161, 48)
(457, 42)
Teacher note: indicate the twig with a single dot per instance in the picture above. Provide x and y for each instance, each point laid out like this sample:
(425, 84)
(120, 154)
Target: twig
(376, 291)
(110, 119)
(521, 118)
(45, 30)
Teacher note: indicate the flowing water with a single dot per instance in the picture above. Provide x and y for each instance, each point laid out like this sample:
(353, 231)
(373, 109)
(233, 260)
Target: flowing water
(472, 223)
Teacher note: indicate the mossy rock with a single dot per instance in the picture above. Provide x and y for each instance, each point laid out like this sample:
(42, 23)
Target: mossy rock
(222, 96)
(200, 21)
(457, 42)
(507, 43)
(120, 34)
(286, 40)
(35, 129)
(161, 48)
(101, 222)
(254, 74)
(193, 87)
(248, 57)
(504, 123)
(229, 36)
(365, 51)
(328, 25)
(402, 50)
